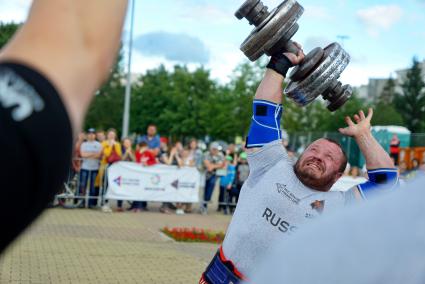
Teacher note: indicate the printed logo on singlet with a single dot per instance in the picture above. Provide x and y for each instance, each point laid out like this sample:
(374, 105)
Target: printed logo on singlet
(318, 205)
(273, 219)
(283, 190)
(17, 94)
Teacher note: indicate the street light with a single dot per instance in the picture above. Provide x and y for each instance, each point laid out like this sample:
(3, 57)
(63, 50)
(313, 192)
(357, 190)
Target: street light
(126, 114)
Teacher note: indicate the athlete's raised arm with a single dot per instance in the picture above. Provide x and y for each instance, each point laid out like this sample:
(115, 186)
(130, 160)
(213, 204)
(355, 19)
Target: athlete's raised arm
(267, 108)
(381, 170)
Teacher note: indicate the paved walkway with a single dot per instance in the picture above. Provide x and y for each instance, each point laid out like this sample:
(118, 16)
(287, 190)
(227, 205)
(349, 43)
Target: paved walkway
(88, 246)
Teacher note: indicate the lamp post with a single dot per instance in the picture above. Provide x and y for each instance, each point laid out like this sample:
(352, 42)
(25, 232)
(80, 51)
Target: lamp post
(126, 114)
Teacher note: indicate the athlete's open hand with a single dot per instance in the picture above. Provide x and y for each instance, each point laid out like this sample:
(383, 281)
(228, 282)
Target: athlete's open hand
(361, 125)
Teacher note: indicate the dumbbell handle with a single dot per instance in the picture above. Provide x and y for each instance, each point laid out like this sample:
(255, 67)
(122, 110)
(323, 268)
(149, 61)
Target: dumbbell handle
(291, 47)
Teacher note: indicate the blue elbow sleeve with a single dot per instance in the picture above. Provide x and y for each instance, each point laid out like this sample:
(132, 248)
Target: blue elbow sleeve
(265, 124)
(379, 180)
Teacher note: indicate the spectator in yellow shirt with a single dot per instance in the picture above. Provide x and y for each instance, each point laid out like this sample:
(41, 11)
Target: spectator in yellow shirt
(111, 153)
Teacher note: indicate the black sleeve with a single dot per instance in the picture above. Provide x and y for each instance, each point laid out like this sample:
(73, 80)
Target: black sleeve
(35, 147)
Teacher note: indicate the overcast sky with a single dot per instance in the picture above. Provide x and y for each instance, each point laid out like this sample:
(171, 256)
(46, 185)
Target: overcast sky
(383, 35)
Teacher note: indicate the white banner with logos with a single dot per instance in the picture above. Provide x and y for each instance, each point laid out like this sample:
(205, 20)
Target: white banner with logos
(131, 181)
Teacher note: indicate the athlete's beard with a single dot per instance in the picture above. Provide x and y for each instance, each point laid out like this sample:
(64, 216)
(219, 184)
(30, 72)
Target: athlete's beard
(323, 183)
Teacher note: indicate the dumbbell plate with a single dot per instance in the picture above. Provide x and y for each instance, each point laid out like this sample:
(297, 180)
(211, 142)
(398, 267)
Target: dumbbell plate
(333, 63)
(288, 29)
(272, 29)
(245, 8)
(341, 100)
(311, 60)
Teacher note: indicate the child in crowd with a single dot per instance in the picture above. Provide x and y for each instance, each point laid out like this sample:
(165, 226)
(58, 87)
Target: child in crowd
(242, 173)
(163, 150)
(226, 183)
(145, 156)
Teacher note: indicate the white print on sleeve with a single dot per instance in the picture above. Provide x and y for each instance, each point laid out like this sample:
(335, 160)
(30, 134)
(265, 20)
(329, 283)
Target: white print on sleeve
(18, 94)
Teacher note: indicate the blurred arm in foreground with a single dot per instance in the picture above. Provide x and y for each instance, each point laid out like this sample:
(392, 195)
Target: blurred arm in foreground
(49, 73)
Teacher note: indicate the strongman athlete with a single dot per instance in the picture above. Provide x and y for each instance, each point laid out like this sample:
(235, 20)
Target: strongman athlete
(279, 197)
(49, 73)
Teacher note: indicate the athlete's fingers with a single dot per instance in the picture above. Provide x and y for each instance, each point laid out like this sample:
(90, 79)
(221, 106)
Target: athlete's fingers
(349, 121)
(357, 118)
(343, 131)
(362, 116)
(370, 114)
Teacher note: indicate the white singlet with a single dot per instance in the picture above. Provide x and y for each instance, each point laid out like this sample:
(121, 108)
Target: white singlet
(272, 205)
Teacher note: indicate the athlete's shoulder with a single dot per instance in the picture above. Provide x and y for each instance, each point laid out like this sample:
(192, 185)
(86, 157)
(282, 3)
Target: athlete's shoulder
(276, 144)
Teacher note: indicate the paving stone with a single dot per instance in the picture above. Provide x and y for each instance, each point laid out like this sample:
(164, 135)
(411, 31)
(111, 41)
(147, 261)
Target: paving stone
(88, 246)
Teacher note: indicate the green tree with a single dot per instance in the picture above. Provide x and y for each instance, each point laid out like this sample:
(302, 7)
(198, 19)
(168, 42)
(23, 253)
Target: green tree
(388, 92)
(7, 30)
(411, 102)
(242, 87)
(149, 99)
(315, 117)
(385, 112)
(180, 103)
(336, 120)
(106, 109)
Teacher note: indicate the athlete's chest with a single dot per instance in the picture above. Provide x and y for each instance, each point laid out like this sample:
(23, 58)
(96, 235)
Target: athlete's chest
(295, 200)
(285, 204)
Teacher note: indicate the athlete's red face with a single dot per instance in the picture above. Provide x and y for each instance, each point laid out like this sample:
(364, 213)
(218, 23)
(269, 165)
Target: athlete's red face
(319, 165)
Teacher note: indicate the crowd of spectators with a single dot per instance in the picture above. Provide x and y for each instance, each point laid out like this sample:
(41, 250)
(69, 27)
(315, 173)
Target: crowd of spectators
(223, 167)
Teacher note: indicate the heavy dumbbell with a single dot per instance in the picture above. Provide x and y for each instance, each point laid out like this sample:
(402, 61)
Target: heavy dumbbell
(273, 30)
(319, 72)
(318, 75)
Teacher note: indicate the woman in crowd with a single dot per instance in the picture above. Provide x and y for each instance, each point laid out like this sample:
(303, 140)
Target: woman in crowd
(111, 154)
(187, 160)
(173, 159)
(127, 156)
(127, 151)
(196, 154)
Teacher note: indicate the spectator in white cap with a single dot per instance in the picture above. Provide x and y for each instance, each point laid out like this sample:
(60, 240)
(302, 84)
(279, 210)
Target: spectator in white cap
(213, 160)
(91, 151)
